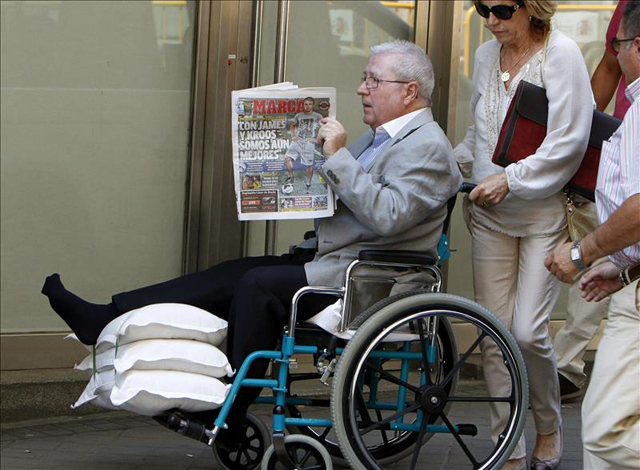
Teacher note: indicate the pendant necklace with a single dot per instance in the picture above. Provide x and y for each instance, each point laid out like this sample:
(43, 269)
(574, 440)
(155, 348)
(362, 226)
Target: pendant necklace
(506, 75)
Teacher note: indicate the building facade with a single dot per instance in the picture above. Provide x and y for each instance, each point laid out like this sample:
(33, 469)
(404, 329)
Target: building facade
(115, 132)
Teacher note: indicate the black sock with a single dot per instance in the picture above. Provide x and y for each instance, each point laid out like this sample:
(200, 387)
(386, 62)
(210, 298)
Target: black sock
(85, 319)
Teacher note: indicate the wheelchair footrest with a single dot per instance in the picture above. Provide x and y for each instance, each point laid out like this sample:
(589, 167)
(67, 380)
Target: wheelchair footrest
(180, 424)
(467, 429)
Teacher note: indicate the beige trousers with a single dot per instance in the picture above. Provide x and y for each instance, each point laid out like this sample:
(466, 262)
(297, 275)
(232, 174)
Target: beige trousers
(510, 279)
(570, 343)
(611, 407)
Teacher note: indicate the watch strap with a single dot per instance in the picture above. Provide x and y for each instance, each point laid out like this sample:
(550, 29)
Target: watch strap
(577, 260)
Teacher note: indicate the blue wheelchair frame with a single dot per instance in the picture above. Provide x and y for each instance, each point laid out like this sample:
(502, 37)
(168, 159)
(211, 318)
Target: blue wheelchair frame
(289, 348)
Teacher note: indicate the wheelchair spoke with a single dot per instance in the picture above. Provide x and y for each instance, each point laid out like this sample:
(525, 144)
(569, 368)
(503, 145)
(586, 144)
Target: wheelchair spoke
(362, 407)
(366, 417)
(304, 459)
(246, 456)
(457, 437)
(386, 421)
(385, 440)
(483, 399)
(392, 378)
(462, 360)
(416, 453)
(323, 437)
(423, 351)
(254, 448)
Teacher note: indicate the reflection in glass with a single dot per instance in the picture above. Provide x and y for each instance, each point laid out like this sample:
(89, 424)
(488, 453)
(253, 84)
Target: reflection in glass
(95, 118)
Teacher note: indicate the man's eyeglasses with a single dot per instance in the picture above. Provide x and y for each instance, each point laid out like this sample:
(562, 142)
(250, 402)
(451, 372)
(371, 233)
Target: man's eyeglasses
(372, 82)
(615, 43)
(502, 12)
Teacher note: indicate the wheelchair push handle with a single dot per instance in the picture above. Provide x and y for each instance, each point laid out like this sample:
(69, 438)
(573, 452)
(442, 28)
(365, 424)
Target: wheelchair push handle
(467, 187)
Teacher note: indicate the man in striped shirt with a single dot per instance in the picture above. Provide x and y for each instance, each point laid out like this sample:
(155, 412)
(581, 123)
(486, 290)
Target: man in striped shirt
(611, 408)
(583, 318)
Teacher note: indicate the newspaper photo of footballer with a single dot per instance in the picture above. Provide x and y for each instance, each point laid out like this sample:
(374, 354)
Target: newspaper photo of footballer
(304, 147)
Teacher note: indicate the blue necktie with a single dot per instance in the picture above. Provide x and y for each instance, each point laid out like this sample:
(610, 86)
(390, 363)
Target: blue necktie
(370, 154)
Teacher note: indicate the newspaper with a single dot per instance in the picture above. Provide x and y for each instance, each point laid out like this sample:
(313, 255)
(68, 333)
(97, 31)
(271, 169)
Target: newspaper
(276, 156)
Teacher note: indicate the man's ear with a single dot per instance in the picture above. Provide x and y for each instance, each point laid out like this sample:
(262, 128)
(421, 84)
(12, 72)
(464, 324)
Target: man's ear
(412, 93)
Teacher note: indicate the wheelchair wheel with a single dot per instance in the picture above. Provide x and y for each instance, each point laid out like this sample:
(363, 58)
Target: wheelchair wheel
(254, 445)
(416, 398)
(304, 451)
(400, 444)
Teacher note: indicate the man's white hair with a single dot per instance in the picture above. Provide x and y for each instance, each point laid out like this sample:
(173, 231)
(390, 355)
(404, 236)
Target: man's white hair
(412, 64)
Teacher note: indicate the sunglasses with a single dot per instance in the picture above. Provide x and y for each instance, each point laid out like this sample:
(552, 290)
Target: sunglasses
(615, 43)
(502, 12)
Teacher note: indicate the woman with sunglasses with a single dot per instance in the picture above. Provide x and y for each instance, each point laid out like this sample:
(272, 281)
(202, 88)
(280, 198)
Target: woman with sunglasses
(517, 214)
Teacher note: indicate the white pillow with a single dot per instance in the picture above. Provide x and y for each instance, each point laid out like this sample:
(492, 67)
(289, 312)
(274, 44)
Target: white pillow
(163, 321)
(150, 392)
(161, 354)
(73, 337)
(98, 390)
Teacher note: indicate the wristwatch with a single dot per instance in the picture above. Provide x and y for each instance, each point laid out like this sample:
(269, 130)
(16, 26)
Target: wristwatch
(576, 257)
(630, 274)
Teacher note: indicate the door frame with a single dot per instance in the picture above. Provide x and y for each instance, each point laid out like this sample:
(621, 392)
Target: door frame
(222, 64)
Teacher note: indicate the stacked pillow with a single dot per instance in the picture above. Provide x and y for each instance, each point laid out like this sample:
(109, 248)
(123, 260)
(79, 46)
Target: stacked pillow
(157, 358)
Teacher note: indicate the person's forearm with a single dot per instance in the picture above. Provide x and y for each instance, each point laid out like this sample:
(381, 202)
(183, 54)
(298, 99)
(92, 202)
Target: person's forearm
(603, 88)
(605, 80)
(621, 230)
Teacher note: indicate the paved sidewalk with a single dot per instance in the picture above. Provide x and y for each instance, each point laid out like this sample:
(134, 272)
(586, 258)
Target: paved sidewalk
(124, 441)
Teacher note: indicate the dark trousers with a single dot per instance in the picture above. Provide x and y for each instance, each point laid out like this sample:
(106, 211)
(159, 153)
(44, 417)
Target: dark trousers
(253, 294)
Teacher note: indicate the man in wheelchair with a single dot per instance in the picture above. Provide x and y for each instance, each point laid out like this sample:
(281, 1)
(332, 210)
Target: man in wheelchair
(392, 184)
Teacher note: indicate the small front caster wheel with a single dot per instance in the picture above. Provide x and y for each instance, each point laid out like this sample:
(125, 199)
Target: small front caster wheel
(304, 451)
(256, 440)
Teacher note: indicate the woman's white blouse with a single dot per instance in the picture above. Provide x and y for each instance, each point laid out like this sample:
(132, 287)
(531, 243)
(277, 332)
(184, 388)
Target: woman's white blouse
(535, 203)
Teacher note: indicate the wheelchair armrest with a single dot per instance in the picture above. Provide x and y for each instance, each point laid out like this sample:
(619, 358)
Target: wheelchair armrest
(397, 256)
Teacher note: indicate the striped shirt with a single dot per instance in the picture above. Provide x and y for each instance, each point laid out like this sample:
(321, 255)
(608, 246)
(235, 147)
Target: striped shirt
(619, 171)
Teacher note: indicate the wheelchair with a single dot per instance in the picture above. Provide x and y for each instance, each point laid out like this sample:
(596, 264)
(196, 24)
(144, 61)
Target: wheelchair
(397, 389)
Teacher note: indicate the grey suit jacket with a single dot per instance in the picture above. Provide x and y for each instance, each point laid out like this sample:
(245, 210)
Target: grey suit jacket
(397, 203)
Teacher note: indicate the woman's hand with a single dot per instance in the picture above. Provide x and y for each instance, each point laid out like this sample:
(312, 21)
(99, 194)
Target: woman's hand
(600, 282)
(491, 190)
